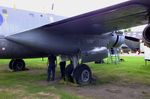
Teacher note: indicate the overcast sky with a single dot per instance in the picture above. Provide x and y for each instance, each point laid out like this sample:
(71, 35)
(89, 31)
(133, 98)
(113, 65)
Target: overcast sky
(61, 7)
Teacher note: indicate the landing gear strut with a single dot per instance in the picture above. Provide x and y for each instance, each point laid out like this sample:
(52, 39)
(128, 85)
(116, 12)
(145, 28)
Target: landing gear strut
(17, 65)
(79, 73)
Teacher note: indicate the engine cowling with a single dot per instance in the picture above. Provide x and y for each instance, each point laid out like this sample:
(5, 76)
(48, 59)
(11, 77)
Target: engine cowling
(116, 40)
(146, 36)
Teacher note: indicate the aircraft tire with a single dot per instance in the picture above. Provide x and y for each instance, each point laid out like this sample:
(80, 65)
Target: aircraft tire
(68, 72)
(11, 64)
(82, 75)
(18, 65)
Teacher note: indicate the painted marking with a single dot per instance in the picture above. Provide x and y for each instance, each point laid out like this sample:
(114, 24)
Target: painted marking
(1, 19)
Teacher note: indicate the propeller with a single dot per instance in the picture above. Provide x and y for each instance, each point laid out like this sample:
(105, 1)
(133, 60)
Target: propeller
(132, 38)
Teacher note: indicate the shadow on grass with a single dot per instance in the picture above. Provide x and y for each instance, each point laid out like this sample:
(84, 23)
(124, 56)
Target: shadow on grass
(102, 80)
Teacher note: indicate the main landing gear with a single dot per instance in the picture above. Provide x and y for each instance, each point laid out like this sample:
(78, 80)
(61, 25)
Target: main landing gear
(17, 65)
(78, 73)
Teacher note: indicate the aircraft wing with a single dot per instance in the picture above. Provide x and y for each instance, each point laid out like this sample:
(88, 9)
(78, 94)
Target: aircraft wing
(124, 15)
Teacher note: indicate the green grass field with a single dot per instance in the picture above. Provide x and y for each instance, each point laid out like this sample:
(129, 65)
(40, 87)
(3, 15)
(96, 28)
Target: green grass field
(32, 85)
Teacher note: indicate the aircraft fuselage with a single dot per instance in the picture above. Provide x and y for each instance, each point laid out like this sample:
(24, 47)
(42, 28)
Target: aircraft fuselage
(20, 36)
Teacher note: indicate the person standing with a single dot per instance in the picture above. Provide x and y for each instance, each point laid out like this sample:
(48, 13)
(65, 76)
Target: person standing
(51, 68)
(62, 69)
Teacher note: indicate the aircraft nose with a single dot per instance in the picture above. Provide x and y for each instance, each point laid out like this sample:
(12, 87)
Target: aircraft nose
(1, 19)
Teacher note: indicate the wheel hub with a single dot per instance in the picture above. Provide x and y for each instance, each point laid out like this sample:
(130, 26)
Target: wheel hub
(85, 75)
(19, 65)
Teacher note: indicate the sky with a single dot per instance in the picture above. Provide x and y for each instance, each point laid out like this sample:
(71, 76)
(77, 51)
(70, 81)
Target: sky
(61, 7)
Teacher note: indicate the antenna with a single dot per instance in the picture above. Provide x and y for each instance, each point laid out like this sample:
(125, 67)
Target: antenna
(52, 6)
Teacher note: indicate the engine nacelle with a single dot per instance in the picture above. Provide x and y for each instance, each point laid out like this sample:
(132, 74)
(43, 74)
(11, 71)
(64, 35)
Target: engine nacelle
(116, 40)
(146, 36)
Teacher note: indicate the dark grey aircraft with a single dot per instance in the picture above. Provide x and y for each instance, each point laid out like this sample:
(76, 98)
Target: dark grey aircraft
(85, 37)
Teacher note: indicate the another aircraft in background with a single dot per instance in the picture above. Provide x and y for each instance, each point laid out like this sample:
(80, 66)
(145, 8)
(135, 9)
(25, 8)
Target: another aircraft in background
(26, 34)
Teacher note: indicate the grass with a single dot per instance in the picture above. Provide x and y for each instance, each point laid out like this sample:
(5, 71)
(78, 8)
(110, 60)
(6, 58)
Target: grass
(29, 84)
(132, 70)
(32, 85)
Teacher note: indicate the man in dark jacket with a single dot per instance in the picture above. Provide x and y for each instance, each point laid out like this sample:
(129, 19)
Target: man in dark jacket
(62, 69)
(51, 67)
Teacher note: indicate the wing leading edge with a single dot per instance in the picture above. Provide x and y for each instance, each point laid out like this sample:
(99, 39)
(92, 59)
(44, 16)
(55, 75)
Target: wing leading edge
(120, 16)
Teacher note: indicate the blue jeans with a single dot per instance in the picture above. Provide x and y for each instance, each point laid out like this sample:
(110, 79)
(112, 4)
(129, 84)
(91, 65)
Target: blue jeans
(51, 72)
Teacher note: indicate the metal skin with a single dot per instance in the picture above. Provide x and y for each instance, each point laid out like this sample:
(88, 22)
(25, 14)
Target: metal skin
(12, 22)
(39, 42)
(24, 46)
(41, 34)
